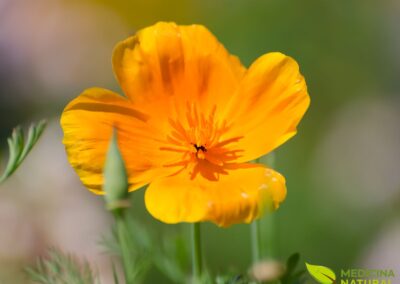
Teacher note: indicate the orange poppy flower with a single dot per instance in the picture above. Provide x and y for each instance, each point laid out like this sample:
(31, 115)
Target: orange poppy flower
(191, 120)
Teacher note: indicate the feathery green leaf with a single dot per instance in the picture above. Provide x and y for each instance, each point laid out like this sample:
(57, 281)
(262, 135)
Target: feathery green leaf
(59, 268)
(19, 149)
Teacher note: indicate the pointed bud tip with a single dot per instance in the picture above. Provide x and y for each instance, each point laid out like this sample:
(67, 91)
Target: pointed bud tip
(115, 175)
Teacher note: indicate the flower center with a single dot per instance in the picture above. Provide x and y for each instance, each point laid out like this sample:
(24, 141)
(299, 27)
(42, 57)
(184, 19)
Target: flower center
(200, 151)
(201, 143)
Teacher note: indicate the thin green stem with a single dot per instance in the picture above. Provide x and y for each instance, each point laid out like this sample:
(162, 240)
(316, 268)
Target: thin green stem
(268, 223)
(196, 252)
(270, 244)
(255, 241)
(263, 238)
(124, 242)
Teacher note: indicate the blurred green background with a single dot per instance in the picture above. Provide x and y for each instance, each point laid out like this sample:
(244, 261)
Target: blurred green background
(342, 168)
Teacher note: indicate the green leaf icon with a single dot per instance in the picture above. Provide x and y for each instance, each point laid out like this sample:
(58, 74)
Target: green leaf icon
(322, 274)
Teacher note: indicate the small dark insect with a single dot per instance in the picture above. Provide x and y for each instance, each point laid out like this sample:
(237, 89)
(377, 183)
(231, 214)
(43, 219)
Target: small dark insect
(201, 147)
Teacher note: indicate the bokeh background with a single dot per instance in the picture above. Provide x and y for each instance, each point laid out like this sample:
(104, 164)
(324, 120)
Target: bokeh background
(342, 168)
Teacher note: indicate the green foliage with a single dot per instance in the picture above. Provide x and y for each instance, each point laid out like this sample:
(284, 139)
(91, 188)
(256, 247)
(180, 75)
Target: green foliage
(129, 238)
(19, 148)
(59, 268)
(292, 275)
(115, 274)
(172, 258)
(236, 279)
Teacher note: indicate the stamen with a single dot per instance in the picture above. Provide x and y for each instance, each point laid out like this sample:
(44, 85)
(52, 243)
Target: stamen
(181, 163)
(227, 141)
(198, 145)
(173, 149)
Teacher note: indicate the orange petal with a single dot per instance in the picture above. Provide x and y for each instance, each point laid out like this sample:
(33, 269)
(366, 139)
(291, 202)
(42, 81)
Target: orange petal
(269, 104)
(238, 197)
(87, 123)
(181, 63)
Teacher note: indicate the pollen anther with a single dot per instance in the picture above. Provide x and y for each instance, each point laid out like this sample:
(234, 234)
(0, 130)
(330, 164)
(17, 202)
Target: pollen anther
(200, 139)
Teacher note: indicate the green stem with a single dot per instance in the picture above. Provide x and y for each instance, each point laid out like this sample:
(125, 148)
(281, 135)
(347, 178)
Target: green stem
(124, 242)
(263, 230)
(196, 252)
(255, 241)
(269, 223)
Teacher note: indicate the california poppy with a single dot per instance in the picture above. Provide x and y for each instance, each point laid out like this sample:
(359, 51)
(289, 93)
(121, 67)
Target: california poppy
(190, 122)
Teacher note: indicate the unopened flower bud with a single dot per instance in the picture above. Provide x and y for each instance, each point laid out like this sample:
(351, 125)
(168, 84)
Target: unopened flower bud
(115, 177)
